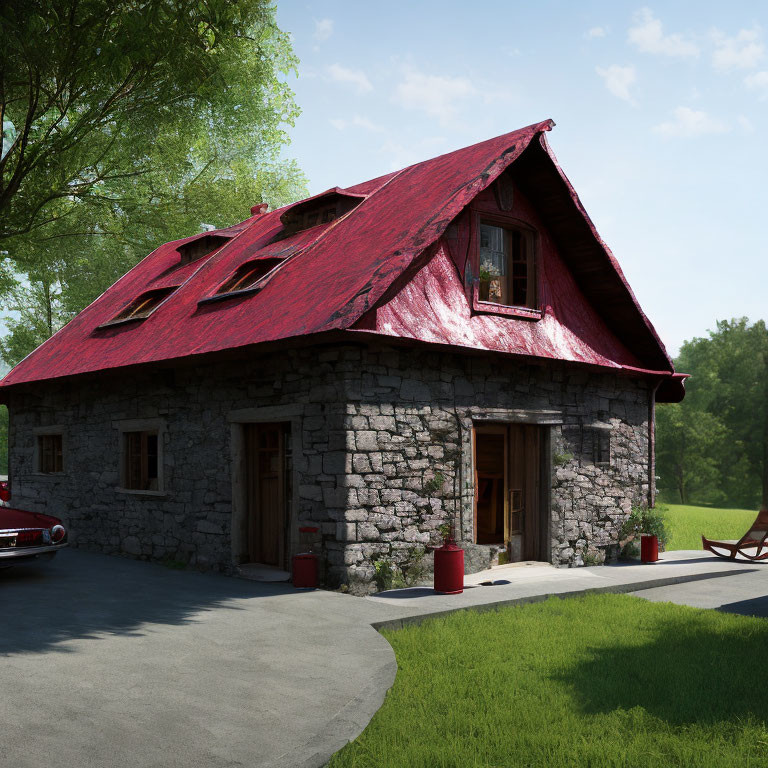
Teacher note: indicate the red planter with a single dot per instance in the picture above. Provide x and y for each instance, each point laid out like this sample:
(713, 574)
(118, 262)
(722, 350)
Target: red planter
(649, 548)
(449, 569)
(305, 571)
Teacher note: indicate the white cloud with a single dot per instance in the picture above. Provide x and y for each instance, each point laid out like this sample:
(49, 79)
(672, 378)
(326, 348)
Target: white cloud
(688, 123)
(434, 94)
(358, 121)
(758, 81)
(323, 29)
(744, 50)
(355, 77)
(596, 32)
(618, 80)
(647, 35)
(746, 125)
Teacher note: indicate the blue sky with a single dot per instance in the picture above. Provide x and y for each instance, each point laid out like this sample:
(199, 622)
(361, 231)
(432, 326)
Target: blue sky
(661, 115)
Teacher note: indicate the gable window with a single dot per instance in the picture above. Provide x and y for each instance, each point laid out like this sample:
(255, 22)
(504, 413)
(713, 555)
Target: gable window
(50, 453)
(507, 269)
(143, 306)
(247, 275)
(141, 460)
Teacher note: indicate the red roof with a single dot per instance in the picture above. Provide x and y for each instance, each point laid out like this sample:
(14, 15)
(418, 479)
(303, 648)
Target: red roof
(336, 272)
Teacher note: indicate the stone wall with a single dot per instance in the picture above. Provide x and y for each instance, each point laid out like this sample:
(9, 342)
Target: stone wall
(382, 452)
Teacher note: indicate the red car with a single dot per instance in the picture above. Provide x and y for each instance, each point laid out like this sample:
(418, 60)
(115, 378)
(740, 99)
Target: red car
(27, 536)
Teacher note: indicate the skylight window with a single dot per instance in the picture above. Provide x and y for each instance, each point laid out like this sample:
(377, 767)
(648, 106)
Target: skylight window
(247, 275)
(142, 306)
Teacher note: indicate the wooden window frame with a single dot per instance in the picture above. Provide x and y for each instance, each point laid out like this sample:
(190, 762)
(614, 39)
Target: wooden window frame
(509, 224)
(59, 463)
(128, 432)
(142, 306)
(227, 289)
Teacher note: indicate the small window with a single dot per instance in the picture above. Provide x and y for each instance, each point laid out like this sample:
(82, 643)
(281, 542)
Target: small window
(247, 275)
(141, 461)
(203, 246)
(601, 446)
(50, 453)
(143, 306)
(507, 274)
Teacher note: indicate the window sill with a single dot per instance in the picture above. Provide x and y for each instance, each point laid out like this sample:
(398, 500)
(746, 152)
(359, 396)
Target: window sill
(491, 308)
(117, 323)
(137, 492)
(229, 295)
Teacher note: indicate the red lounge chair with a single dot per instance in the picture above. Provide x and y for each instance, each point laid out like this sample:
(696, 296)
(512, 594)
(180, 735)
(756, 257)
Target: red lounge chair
(753, 545)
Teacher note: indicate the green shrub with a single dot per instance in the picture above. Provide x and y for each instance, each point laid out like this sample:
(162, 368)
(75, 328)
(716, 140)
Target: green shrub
(648, 520)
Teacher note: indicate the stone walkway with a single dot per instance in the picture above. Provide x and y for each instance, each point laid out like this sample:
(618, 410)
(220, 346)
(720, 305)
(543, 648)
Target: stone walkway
(115, 663)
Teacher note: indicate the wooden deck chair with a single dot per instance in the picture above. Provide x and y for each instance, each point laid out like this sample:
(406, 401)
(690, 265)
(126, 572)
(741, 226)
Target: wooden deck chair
(753, 545)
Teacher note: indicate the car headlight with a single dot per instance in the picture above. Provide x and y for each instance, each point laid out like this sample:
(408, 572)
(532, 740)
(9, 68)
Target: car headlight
(57, 533)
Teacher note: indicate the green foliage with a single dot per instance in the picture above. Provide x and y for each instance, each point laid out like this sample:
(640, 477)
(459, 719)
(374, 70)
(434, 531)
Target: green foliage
(434, 484)
(713, 447)
(127, 126)
(560, 459)
(384, 573)
(686, 525)
(600, 680)
(646, 520)
(407, 570)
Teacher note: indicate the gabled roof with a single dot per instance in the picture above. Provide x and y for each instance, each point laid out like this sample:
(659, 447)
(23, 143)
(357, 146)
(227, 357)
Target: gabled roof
(334, 272)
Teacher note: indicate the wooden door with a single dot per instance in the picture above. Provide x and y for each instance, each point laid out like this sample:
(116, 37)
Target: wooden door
(266, 493)
(507, 468)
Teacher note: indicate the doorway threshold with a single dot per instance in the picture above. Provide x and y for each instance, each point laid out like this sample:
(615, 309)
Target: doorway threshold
(261, 572)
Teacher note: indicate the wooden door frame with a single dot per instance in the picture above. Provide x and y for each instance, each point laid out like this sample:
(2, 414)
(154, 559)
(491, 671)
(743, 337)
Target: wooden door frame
(239, 526)
(480, 426)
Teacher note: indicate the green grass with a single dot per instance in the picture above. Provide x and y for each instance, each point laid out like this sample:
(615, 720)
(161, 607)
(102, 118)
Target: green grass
(686, 524)
(597, 681)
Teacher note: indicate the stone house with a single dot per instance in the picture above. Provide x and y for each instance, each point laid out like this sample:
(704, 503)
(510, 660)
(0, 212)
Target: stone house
(450, 343)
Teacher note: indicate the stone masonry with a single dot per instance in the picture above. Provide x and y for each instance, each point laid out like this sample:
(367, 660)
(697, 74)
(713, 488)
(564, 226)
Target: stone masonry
(381, 453)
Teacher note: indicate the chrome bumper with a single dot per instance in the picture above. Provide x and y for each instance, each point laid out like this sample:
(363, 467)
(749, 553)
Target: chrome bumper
(45, 549)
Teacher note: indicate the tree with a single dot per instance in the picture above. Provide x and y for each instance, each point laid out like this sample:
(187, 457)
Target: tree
(125, 125)
(728, 387)
(687, 448)
(98, 92)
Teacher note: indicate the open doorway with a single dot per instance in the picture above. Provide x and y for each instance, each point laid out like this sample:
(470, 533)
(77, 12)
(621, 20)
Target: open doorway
(267, 492)
(510, 507)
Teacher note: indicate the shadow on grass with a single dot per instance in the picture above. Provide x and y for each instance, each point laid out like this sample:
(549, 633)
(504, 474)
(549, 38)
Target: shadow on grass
(687, 669)
(86, 595)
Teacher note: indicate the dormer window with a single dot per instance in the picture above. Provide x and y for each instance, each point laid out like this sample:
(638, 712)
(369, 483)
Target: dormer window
(247, 275)
(321, 209)
(507, 266)
(202, 246)
(142, 306)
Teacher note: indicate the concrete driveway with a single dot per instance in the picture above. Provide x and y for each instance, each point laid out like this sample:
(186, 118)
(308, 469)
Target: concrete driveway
(112, 662)
(743, 593)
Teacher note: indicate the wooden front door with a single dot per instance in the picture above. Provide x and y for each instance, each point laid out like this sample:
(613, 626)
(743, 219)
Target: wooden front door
(266, 491)
(508, 494)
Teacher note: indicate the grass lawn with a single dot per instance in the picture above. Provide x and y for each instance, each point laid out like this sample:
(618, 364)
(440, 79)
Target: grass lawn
(686, 524)
(596, 681)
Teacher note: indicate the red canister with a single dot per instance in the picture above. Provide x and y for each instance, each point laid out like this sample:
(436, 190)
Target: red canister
(649, 548)
(449, 569)
(305, 571)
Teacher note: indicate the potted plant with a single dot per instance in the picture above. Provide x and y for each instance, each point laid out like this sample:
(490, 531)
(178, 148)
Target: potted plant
(484, 291)
(648, 525)
(449, 563)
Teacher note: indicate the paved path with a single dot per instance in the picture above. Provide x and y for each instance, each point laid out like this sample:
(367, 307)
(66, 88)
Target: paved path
(112, 662)
(115, 663)
(746, 594)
